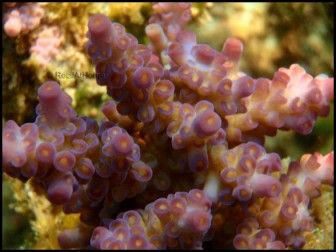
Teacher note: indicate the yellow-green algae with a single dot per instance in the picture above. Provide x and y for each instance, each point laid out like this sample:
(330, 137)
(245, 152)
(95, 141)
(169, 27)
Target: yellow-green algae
(322, 236)
(47, 220)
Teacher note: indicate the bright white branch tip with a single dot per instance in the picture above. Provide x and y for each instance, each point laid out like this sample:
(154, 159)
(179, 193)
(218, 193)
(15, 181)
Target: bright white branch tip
(211, 188)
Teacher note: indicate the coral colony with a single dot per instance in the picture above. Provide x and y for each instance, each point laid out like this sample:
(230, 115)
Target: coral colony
(21, 19)
(183, 139)
(46, 46)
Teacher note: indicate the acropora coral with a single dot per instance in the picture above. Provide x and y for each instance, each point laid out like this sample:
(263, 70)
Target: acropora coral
(55, 41)
(21, 18)
(46, 47)
(276, 29)
(179, 160)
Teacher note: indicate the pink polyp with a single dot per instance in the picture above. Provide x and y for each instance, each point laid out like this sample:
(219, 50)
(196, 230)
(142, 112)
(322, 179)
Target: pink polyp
(138, 242)
(198, 221)
(157, 36)
(288, 211)
(80, 147)
(161, 207)
(144, 52)
(314, 96)
(203, 106)
(109, 133)
(233, 49)
(258, 244)
(224, 87)
(253, 149)
(45, 152)
(242, 193)
(276, 245)
(178, 206)
(13, 26)
(141, 171)
(229, 175)
(297, 105)
(265, 185)
(123, 42)
(99, 233)
(241, 242)
(203, 54)
(29, 130)
(266, 235)
(69, 129)
(50, 90)
(132, 217)
(245, 229)
(110, 243)
(198, 196)
(64, 161)
(100, 28)
(54, 105)
(207, 123)
(247, 165)
(163, 90)
(92, 141)
(114, 224)
(243, 87)
(326, 171)
(177, 142)
(157, 69)
(122, 144)
(295, 195)
(146, 113)
(143, 78)
(228, 108)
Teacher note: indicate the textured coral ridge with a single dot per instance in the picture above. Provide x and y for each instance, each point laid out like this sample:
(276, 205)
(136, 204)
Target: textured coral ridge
(291, 100)
(286, 216)
(175, 97)
(178, 221)
(77, 161)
